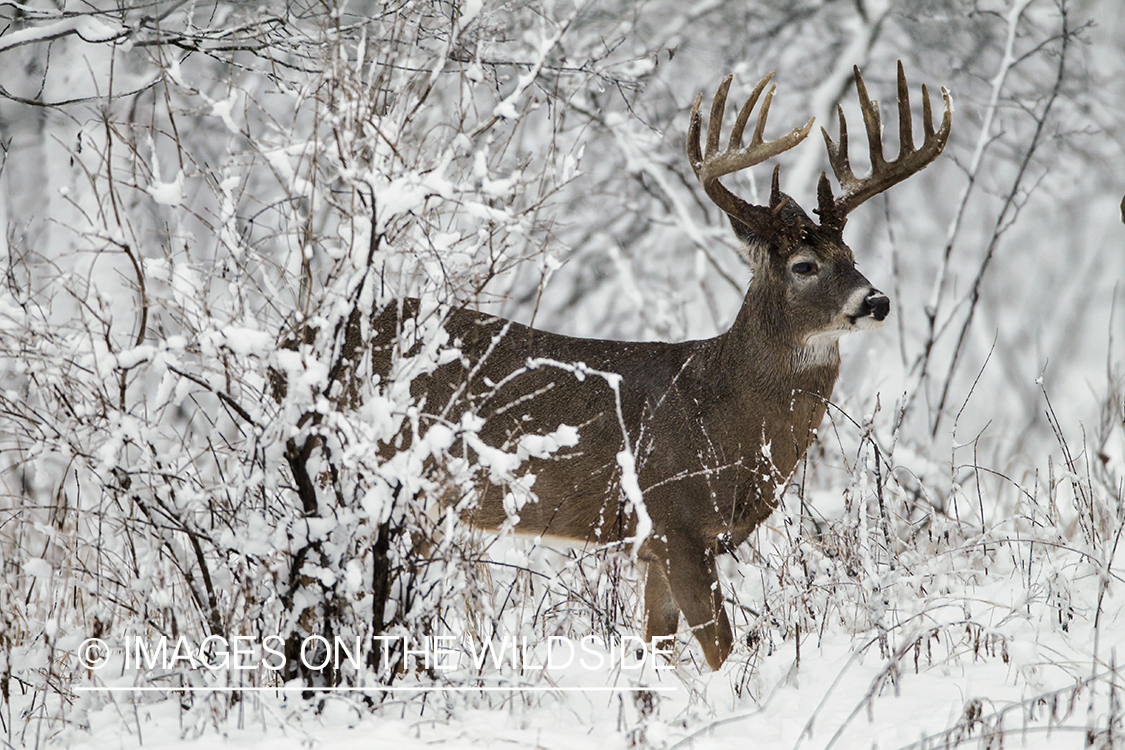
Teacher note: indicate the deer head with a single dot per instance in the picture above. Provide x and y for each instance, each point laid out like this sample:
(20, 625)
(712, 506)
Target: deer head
(803, 269)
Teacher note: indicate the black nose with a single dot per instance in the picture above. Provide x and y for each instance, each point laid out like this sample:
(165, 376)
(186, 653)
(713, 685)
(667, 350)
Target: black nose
(877, 305)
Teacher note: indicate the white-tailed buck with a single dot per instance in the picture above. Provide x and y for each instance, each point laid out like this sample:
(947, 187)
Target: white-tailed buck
(716, 427)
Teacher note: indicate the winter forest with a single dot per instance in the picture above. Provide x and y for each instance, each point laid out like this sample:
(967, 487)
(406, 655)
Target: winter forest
(212, 527)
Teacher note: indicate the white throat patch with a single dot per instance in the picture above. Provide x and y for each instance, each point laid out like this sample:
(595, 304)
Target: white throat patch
(819, 349)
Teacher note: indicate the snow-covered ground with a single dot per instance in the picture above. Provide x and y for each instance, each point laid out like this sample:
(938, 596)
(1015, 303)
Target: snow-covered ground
(1006, 639)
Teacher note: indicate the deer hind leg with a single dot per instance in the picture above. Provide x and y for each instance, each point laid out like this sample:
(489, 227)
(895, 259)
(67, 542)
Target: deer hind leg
(694, 584)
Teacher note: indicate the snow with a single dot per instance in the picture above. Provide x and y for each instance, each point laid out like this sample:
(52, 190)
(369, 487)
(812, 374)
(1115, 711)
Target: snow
(168, 193)
(224, 110)
(38, 567)
(88, 28)
(838, 692)
(1002, 634)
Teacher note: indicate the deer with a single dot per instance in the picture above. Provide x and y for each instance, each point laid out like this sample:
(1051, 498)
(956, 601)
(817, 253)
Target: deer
(714, 427)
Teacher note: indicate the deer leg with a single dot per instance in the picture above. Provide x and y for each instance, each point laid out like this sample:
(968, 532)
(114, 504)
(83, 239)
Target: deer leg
(662, 616)
(694, 583)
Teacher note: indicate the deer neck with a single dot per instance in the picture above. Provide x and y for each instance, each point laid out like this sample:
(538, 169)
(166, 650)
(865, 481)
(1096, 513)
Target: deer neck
(784, 380)
(763, 343)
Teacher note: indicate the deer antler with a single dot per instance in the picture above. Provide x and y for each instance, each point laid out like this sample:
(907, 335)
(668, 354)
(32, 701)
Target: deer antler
(884, 174)
(709, 166)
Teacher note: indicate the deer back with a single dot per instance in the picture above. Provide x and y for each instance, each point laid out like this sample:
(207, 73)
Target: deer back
(712, 424)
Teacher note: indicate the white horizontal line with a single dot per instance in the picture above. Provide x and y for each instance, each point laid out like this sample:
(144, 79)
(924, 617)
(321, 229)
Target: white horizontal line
(376, 689)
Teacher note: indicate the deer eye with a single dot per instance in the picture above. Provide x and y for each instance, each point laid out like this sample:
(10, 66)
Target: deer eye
(804, 268)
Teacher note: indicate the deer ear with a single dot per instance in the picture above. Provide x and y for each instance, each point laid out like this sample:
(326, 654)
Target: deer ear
(748, 236)
(784, 241)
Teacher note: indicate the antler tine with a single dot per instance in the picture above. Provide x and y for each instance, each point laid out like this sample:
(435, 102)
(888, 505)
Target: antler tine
(871, 122)
(695, 124)
(747, 108)
(927, 114)
(883, 174)
(838, 152)
(718, 107)
(760, 126)
(905, 121)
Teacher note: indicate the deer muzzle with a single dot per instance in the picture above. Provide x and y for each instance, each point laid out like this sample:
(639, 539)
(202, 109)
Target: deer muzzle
(877, 305)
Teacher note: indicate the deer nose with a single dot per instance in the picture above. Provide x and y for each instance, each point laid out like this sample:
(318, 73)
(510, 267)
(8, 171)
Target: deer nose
(877, 305)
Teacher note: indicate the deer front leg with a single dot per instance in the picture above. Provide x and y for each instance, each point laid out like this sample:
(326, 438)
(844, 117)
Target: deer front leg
(689, 567)
(662, 616)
